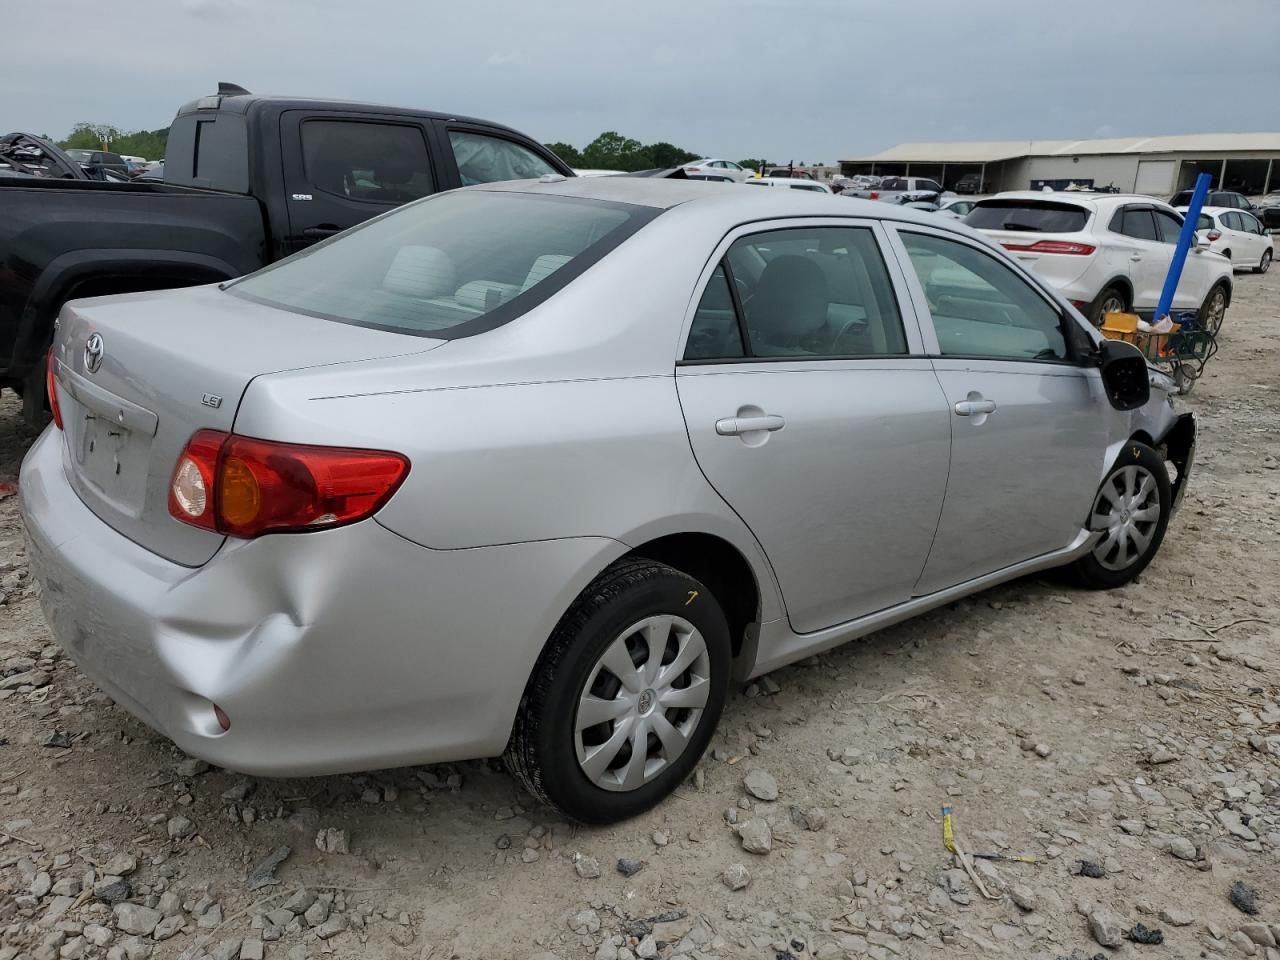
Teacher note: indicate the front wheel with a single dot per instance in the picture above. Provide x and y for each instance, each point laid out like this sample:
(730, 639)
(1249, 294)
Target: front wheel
(1131, 511)
(626, 695)
(1265, 263)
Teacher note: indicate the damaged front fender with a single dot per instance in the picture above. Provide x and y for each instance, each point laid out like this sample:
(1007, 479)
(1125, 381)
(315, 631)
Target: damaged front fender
(1178, 446)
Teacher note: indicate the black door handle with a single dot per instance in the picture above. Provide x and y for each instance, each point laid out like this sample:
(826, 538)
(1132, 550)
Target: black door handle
(319, 233)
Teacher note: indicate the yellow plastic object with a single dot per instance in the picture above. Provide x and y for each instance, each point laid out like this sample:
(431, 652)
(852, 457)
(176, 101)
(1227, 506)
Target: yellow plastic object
(1120, 326)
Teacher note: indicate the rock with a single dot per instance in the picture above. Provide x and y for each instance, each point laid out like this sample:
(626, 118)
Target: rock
(1182, 848)
(136, 919)
(1243, 944)
(41, 885)
(179, 828)
(1087, 868)
(97, 934)
(301, 899)
(1159, 755)
(280, 917)
(503, 842)
(628, 867)
(584, 922)
(111, 890)
(588, 868)
(647, 948)
(1259, 934)
(811, 818)
(1177, 918)
(529, 855)
(736, 877)
(168, 927)
(120, 865)
(1244, 898)
(761, 785)
(58, 740)
(191, 767)
(211, 918)
(1023, 896)
(331, 840)
(659, 838)
(236, 793)
(401, 936)
(316, 914)
(226, 949)
(1231, 820)
(1042, 750)
(263, 873)
(332, 927)
(756, 836)
(136, 949)
(1106, 927)
(1141, 933)
(170, 904)
(73, 949)
(30, 678)
(251, 949)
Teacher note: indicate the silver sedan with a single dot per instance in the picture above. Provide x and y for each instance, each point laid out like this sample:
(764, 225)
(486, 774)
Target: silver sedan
(538, 469)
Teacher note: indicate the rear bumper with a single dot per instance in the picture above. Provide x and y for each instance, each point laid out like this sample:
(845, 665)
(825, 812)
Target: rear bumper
(334, 651)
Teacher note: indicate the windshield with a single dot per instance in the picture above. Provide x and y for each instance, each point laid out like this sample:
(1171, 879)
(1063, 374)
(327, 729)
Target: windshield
(449, 266)
(1031, 216)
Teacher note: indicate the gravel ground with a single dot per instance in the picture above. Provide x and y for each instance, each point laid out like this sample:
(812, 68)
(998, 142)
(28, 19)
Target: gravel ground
(1129, 742)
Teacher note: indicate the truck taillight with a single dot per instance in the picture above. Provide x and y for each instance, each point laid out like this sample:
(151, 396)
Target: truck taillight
(1053, 246)
(51, 388)
(245, 487)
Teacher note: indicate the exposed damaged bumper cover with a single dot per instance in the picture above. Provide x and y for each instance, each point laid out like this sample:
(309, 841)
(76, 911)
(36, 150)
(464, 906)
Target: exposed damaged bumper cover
(1179, 448)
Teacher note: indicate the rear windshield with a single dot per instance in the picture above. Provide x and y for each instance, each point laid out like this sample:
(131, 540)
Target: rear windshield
(449, 266)
(1032, 216)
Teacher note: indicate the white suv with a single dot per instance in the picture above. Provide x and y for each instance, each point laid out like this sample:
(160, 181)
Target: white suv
(1105, 252)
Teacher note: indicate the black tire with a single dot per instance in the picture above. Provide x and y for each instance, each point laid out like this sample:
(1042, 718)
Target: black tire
(542, 754)
(1210, 314)
(35, 398)
(1110, 300)
(1265, 263)
(1104, 569)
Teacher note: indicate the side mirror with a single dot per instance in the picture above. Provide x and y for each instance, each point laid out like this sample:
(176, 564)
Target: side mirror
(1124, 374)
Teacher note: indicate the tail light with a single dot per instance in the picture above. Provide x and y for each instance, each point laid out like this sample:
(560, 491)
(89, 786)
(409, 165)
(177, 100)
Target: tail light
(692, 169)
(1214, 235)
(874, 195)
(51, 388)
(245, 487)
(1053, 246)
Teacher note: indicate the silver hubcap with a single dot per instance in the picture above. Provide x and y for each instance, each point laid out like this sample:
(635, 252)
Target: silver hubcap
(642, 702)
(1112, 305)
(1217, 307)
(1127, 509)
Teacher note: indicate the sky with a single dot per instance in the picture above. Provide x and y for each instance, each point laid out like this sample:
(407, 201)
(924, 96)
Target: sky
(782, 80)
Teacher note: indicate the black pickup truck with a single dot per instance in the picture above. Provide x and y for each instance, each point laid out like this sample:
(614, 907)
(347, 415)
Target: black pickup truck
(248, 180)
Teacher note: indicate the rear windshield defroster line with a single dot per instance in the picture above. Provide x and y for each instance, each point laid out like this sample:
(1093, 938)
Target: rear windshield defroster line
(448, 266)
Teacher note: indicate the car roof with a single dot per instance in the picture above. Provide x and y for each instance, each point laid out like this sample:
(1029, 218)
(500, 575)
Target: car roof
(729, 203)
(1081, 198)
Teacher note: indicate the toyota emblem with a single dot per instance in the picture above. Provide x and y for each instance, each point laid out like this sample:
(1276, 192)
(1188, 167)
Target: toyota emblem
(93, 351)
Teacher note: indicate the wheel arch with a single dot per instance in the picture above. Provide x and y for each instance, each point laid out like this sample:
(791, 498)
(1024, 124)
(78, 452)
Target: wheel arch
(1124, 284)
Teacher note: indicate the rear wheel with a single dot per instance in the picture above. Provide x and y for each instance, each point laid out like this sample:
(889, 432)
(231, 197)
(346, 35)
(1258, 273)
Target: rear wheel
(1214, 309)
(1265, 263)
(1110, 300)
(1131, 511)
(626, 695)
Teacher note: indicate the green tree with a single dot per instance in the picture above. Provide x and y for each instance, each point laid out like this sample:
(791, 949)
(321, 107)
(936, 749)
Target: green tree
(612, 151)
(90, 136)
(664, 154)
(753, 164)
(140, 143)
(569, 154)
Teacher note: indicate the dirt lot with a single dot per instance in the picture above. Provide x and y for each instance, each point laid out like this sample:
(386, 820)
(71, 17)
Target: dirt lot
(1133, 735)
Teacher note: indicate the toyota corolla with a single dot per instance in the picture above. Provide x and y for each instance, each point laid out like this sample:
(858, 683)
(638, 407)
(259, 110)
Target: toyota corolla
(538, 469)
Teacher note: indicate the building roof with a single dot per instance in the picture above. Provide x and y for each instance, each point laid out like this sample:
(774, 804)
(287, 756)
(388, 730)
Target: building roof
(993, 150)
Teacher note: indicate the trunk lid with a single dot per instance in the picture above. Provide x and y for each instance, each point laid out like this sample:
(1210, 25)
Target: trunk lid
(138, 374)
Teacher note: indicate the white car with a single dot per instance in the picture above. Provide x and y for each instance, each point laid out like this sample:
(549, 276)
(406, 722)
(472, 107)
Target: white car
(956, 208)
(1106, 253)
(1238, 235)
(712, 167)
(795, 183)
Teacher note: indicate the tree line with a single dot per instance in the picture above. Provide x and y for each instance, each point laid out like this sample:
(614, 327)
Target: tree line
(139, 143)
(613, 151)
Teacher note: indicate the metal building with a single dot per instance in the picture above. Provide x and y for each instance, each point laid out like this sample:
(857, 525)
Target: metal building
(1246, 162)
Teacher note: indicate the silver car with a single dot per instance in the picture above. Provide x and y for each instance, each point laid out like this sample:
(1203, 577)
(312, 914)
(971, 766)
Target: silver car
(537, 469)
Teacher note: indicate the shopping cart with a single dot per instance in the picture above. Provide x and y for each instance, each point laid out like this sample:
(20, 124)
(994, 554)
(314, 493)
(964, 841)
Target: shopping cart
(1183, 351)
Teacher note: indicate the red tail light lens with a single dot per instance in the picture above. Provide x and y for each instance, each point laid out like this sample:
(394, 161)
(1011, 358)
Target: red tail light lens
(874, 195)
(1053, 246)
(51, 388)
(1214, 235)
(244, 487)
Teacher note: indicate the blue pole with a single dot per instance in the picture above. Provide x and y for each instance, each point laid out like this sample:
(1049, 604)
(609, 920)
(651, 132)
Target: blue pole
(1185, 239)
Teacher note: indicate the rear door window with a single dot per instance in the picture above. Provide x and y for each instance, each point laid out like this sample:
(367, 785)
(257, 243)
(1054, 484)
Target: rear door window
(1136, 222)
(1168, 226)
(367, 162)
(487, 159)
(715, 334)
(1031, 216)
